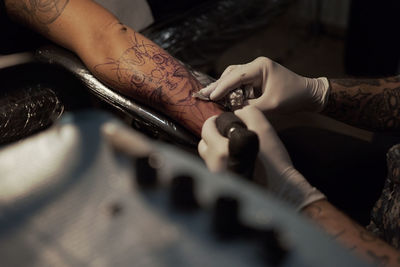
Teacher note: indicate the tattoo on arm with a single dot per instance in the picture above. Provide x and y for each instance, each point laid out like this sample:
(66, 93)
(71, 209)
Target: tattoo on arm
(150, 75)
(367, 103)
(36, 13)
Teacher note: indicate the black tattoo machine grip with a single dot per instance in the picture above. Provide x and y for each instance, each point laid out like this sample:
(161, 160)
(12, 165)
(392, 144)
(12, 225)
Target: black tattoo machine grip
(243, 144)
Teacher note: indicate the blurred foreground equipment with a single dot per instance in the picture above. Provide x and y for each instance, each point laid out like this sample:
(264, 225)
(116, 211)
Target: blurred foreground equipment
(70, 196)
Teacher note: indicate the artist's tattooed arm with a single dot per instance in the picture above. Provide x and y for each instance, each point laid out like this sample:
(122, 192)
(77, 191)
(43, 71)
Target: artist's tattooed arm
(353, 236)
(372, 104)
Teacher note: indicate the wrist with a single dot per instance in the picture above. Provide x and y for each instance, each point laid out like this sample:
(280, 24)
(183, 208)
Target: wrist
(295, 189)
(324, 89)
(319, 90)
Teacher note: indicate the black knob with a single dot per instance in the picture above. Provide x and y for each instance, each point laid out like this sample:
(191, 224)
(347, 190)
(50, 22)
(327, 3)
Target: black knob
(228, 121)
(275, 251)
(243, 144)
(146, 175)
(182, 194)
(243, 150)
(225, 222)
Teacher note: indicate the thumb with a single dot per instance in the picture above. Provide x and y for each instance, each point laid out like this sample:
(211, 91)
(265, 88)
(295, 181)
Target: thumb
(258, 103)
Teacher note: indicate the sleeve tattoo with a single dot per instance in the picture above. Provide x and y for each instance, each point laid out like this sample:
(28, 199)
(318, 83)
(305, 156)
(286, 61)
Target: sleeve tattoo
(372, 104)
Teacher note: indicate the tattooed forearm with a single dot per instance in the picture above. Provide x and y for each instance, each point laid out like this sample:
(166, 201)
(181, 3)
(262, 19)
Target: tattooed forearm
(117, 55)
(353, 236)
(36, 13)
(148, 74)
(373, 104)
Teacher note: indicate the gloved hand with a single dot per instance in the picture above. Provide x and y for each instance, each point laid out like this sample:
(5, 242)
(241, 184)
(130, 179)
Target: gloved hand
(281, 89)
(281, 177)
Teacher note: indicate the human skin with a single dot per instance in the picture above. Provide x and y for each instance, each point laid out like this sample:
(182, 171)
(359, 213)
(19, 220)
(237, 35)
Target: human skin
(368, 103)
(118, 55)
(350, 234)
(372, 104)
(136, 67)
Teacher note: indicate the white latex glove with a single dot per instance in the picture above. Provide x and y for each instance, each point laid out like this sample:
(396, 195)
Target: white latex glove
(281, 177)
(213, 147)
(281, 89)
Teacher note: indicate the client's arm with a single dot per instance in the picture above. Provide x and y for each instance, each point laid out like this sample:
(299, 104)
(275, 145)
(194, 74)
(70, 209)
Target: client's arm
(117, 55)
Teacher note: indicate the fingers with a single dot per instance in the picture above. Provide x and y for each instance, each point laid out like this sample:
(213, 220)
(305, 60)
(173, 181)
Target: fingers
(206, 91)
(271, 146)
(213, 147)
(233, 77)
(262, 104)
(228, 70)
(256, 102)
(202, 149)
(209, 132)
(253, 118)
(236, 77)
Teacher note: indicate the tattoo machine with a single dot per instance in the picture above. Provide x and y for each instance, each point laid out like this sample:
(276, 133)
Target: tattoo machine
(233, 100)
(243, 144)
